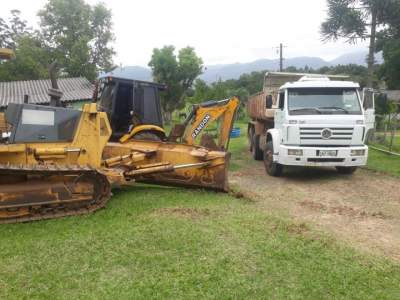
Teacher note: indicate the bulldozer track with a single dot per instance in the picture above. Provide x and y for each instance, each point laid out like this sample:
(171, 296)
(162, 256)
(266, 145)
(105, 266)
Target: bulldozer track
(87, 189)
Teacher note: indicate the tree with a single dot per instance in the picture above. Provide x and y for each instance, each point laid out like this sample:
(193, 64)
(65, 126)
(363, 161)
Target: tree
(12, 30)
(201, 93)
(357, 73)
(79, 35)
(252, 82)
(178, 73)
(389, 42)
(351, 19)
(31, 61)
(102, 53)
(31, 58)
(390, 70)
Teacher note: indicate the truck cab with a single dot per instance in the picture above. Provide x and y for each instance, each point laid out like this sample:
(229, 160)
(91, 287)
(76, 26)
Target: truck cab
(314, 121)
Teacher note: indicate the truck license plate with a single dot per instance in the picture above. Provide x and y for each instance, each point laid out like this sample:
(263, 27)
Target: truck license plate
(327, 153)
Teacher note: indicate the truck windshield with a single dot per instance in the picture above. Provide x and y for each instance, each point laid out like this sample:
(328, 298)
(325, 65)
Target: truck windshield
(311, 101)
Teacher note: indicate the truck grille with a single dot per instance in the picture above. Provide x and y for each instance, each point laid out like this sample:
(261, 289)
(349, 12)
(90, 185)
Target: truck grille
(314, 134)
(326, 136)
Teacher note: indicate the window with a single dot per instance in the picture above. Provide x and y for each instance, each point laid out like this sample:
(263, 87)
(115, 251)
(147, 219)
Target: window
(268, 101)
(150, 106)
(106, 96)
(306, 101)
(368, 99)
(37, 117)
(34, 123)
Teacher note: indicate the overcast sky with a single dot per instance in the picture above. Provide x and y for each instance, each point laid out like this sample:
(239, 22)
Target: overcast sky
(221, 31)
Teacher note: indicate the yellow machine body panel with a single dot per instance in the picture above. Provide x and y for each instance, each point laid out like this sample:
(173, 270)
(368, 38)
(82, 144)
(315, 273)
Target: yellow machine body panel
(92, 134)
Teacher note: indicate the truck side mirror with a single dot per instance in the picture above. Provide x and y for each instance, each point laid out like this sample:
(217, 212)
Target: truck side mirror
(268, 102)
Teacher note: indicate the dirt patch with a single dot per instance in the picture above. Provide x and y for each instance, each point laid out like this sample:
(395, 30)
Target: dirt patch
(302, 229)
(298, 228)
(362, 210)
(313, 205)
(182, 212)
(341, 210)
(244, 195)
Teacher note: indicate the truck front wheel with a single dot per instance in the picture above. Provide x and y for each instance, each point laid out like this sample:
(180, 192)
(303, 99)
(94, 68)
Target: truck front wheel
(272, 168)
(255, 150)
(346, 170)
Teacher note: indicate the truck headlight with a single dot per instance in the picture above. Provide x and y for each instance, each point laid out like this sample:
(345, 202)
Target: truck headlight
(360, 152)
(296, 152)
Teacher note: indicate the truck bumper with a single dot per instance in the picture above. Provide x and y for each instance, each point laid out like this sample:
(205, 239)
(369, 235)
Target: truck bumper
(311, 156)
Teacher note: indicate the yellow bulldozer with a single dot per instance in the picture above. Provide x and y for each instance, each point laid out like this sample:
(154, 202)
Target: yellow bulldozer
(56, 161)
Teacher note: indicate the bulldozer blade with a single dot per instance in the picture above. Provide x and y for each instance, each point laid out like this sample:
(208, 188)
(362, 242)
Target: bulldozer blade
(191, 166)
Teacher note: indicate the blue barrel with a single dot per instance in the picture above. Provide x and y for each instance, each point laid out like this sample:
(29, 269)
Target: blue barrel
(235, 132)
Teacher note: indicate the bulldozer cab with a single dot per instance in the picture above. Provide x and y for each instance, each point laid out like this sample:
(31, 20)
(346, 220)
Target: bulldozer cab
(129, 103)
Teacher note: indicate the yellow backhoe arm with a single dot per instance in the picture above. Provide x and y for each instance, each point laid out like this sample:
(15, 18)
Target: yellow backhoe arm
(205, 114)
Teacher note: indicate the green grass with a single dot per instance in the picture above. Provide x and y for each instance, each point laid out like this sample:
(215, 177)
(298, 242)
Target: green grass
(155, 242)
(172, 243)
(383, 162)
(238, 146)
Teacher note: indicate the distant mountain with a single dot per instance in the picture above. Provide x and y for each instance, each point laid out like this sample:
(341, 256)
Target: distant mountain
(233, 71)
(358, 58)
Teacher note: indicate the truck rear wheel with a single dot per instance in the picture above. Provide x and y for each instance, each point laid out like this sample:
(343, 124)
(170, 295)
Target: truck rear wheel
(250, 134)
(346, 170)
(272, 168)
(256, 151)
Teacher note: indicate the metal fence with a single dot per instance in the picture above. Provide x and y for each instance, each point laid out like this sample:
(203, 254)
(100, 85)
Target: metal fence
(387, 130)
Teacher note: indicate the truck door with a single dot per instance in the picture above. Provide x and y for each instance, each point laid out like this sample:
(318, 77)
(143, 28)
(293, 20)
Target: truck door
(368, 101)
(280, 112)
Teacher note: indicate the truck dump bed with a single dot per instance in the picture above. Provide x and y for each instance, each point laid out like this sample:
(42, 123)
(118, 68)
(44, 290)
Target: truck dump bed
(256, 104)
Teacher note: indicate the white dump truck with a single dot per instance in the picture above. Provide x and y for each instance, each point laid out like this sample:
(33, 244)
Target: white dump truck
(309, 120)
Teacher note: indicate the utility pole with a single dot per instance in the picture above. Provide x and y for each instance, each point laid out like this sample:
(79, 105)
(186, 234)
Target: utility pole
(281, 46)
